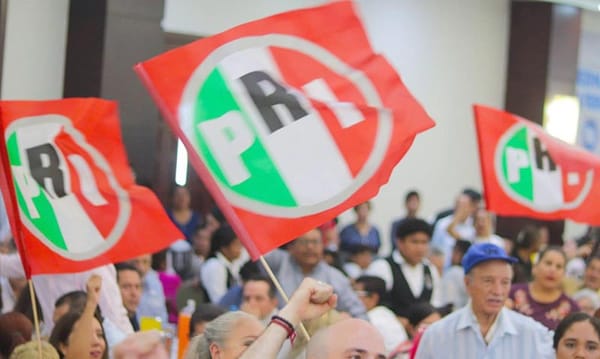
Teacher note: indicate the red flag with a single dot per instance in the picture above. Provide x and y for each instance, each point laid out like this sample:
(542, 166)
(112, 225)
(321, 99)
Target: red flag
(289, 120)
(527, 172)
(69, 191)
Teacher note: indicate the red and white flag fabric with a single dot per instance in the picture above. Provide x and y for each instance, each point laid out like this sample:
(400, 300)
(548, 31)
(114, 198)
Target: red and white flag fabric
(68, 188)
(288, 120)
(527, 172)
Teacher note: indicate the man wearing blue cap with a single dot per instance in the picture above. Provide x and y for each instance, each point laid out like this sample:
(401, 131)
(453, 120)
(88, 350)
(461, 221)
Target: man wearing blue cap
(484, 328)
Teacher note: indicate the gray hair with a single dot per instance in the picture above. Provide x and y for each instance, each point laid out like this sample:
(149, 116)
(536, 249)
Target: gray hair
(589, 294)
(216, 331)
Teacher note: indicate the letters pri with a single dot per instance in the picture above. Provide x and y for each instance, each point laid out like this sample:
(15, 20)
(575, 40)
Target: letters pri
(66, 192)
(289, 120)
(251, 117)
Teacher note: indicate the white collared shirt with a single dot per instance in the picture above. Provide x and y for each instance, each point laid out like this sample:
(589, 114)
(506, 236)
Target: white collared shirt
(458, 336)
(214, 274)
(414, 275)
(388, 325)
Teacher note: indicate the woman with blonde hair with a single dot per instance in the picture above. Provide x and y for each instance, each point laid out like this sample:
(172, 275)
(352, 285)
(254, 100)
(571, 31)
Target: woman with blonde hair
(226, 337)
(30, 350)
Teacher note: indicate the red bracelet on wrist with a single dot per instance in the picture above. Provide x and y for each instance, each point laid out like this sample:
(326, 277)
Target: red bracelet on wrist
(289, 328)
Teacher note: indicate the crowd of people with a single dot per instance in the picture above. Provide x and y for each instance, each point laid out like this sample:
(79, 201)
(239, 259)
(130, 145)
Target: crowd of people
(450, 288)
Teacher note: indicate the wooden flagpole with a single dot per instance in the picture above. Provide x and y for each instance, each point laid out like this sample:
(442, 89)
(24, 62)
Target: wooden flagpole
(282, 292)
(36, 320)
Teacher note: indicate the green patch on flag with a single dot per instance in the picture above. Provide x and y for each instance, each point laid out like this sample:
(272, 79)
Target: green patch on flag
(46, 222)
(265, 184)
(524, 187)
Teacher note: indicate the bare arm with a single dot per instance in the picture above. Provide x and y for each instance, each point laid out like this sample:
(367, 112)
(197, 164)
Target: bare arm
(81, 337)
(311, 300)
(452, 229)
(460, 215)
(141, 345)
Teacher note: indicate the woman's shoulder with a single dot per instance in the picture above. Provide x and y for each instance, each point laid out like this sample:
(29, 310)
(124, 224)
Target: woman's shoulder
(564, 297)
(518, 288)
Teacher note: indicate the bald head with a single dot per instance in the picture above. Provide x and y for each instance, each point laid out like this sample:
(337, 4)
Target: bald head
(344, 338)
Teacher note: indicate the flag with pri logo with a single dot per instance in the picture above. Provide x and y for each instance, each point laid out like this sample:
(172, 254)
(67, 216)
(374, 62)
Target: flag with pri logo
(527, 172)
(68, 188)
(289, 120)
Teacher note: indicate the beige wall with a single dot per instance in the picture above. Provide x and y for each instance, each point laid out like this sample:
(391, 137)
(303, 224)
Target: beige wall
(34, 52)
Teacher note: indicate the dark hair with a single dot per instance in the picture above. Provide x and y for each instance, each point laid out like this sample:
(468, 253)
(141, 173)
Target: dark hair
(249, 270)
(462, 246)
(23, 305)
(413, 225)
(368, 203)
(123, 266)
(205, 312)
(222, 237)
(372, 285)
(411, 194)
(473, 195)
(591, 259)
(63, 328)
(15, 329)
(203, 224)
(548, 249)
(527, 237)
(175, 188)
(358, 248)
(218, 215)
(571, 319)
(75, 300)
(159, 260)
(418, 312)
(261, 278)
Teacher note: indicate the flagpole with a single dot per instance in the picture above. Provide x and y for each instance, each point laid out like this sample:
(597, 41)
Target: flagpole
(282, 293)
(36, 320)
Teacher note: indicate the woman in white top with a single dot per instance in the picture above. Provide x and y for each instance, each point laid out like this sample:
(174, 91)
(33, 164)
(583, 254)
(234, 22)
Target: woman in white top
(221, 271)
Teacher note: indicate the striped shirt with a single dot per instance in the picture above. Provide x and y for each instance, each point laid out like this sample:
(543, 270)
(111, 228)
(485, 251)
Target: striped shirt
(458, 336)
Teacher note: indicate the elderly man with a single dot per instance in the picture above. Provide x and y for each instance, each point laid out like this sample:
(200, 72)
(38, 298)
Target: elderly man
(304, 258)
(485, 328)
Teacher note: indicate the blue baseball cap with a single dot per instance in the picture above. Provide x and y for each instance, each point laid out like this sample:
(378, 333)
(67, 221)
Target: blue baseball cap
(483, 252)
